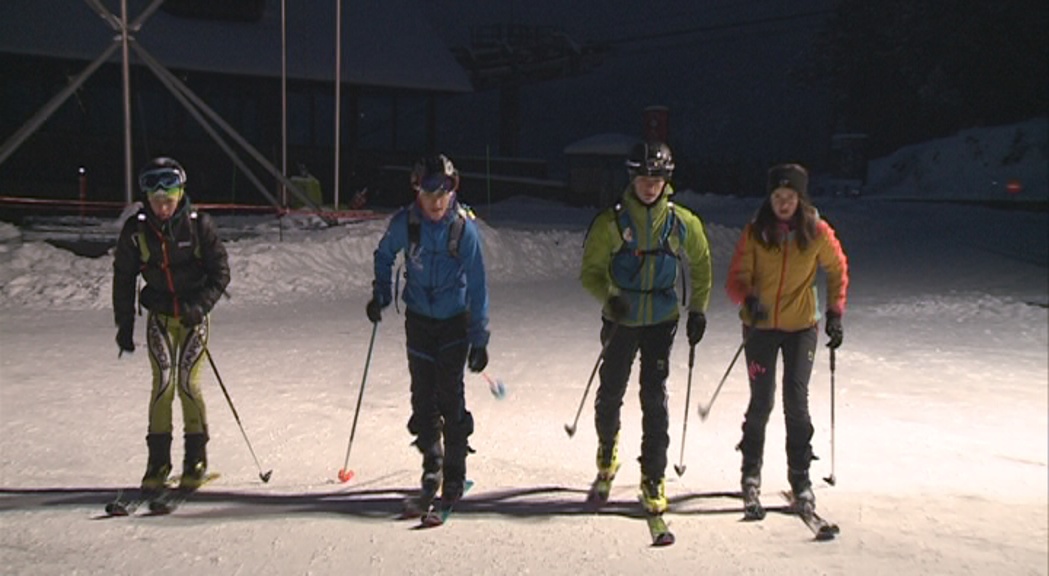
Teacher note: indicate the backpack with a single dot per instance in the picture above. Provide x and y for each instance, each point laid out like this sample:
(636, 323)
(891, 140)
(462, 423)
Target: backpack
(455, 232)
(672, 243)
(143, 247)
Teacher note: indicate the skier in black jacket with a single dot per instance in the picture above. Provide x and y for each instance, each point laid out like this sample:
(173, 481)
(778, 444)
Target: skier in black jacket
(184, 264)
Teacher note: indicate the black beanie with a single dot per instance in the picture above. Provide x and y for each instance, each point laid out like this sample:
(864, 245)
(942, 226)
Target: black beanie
(793, 176)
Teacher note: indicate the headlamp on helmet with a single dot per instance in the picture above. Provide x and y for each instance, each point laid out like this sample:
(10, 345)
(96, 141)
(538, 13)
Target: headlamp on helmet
(650, 159)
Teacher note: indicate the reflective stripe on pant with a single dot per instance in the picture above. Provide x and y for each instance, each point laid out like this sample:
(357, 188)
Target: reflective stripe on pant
(798, 350)
(654, 343)
(168, 339)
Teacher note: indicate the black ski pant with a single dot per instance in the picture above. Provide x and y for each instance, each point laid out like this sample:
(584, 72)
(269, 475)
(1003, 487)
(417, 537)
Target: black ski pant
(623, 343)
(436, 359)
(798, 350)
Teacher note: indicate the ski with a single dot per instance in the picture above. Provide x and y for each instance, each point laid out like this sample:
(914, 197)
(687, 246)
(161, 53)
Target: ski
(119, 507)
(438, 513)
(657, 528)
(170, 500)
(599, 492)
(601, 488)
(822, 529)
(752, 509)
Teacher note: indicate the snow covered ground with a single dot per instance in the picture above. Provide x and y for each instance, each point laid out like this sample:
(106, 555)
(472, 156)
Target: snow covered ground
(940, 438)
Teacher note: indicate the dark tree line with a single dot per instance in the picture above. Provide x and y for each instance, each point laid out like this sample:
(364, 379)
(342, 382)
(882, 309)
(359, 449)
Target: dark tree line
(905, 71)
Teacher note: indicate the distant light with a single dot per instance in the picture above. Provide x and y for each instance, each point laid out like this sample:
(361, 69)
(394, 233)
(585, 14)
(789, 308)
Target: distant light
(1014, 187)
(81, 170)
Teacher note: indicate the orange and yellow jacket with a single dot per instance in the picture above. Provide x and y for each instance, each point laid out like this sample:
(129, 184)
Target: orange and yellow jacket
(783, 278)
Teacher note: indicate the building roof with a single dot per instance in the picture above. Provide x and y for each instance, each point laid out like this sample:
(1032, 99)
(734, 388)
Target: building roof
(384, 44)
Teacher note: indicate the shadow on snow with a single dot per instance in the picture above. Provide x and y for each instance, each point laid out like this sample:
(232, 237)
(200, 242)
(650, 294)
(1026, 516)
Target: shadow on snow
(386, 504)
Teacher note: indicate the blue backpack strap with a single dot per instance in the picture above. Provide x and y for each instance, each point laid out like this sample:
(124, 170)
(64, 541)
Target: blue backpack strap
(683, 263)
(625, 227)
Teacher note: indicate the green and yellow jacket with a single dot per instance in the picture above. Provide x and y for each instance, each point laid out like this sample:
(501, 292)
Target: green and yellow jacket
(657, 257)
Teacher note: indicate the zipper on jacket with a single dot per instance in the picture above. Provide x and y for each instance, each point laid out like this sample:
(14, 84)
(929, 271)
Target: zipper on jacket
(167, 272)
(779, 289)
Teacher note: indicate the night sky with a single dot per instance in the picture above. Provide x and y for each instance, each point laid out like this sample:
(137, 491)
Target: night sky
(721, 69)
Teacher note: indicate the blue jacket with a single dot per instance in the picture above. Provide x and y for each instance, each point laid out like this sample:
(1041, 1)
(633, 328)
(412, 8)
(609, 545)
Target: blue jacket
(438, 284)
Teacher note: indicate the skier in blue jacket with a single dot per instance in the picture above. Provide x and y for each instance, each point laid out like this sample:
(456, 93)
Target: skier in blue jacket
(446, 318)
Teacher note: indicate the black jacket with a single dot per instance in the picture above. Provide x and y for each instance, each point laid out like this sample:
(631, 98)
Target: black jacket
(184, 263)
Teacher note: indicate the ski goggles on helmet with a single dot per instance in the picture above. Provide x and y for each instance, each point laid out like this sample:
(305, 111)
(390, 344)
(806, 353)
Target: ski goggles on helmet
(655, 167)
(436, 185)
(166, 181)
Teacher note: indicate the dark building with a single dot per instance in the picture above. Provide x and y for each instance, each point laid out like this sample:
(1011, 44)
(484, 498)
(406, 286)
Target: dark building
(393, 71)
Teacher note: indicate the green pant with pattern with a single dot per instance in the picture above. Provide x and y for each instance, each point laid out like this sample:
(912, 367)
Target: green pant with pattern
(176, 353)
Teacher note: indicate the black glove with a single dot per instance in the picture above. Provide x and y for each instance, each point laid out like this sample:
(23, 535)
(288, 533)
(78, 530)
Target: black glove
(834, 329)
(755, 309)
(696, 326)
(477, 359)
(374, 311)
(192, 314)
(125, 333)
(618, 307)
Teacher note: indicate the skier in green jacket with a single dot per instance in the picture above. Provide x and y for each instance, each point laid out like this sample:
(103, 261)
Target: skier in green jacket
(643, 258)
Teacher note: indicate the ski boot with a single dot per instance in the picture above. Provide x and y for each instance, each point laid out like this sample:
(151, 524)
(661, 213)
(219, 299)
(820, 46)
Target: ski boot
(451, 492)
(194, 463)
(607, 466)
(454, 472)
(751, 489)
(430, 483)
(159, 466)
(802, 498)
(653, 495)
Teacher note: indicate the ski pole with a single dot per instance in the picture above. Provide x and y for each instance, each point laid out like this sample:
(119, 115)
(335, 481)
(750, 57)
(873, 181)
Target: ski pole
(704, 411)
(831, 479)
(496, 387)
(680, 467)
(265, 477)
(582, 401)
(344, 474)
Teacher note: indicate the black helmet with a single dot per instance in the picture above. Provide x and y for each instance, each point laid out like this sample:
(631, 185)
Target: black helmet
(793, 176)
(650, 159)
(163, 174)
(435, 174)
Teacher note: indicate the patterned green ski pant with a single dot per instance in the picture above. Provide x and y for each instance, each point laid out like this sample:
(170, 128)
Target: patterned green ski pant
(175, 356)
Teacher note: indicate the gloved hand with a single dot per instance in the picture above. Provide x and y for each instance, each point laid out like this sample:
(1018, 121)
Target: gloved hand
(618, 307)
(477, 359)
(192, 314)
(755, 309)
(834, 329)
(696, 327)
(125, 339)
(374, 311)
